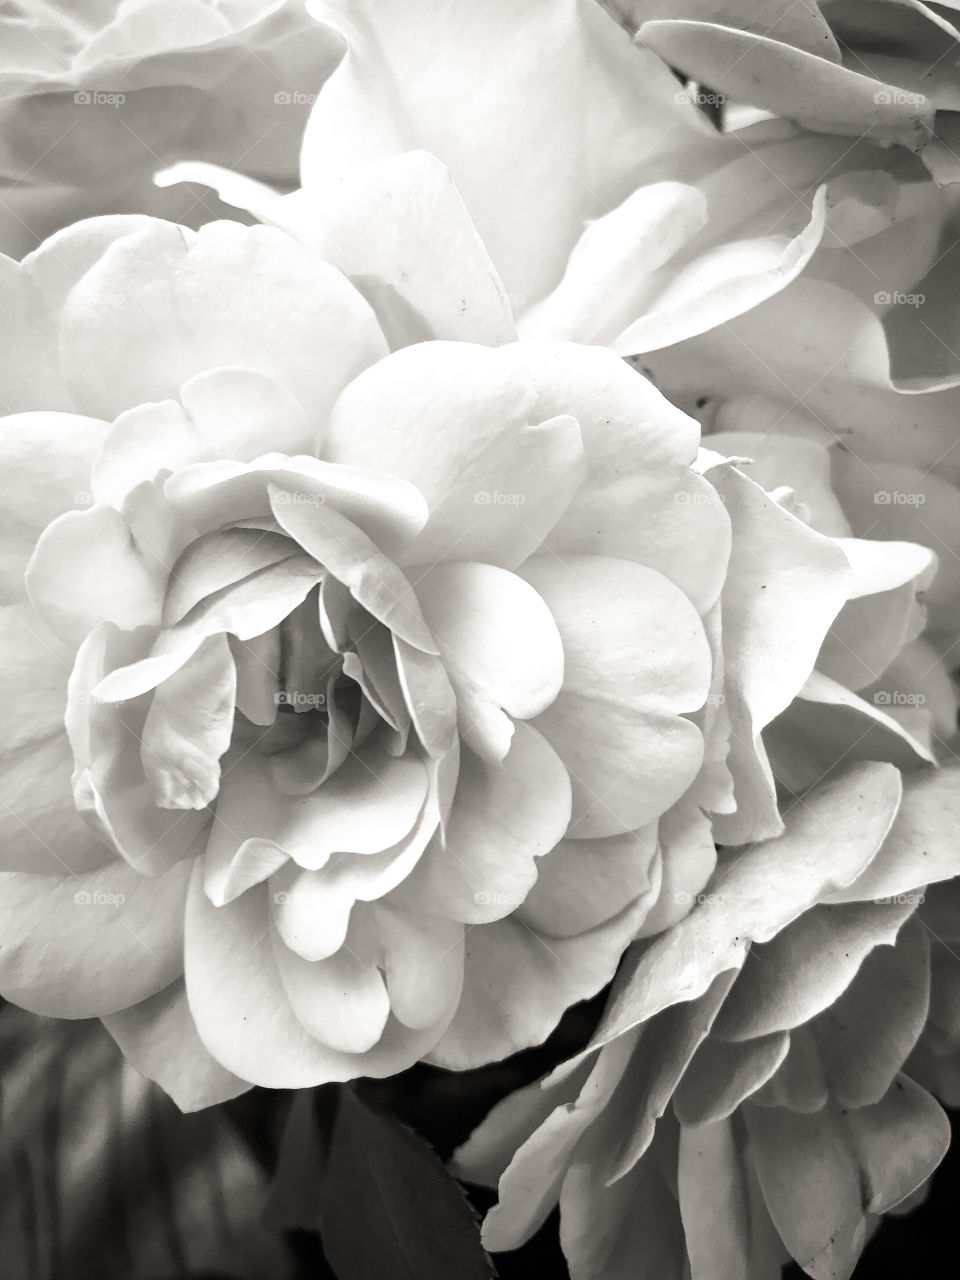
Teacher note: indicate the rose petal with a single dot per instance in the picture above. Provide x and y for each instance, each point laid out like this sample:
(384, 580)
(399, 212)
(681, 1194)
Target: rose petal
(528, 120)
(423, 963)
(503, 817)
(85, 945)
(829, 840)
(921, 847)
(721, 1075)
(226, 413)
(356, 561)
(811, 1186)
(166, 304)
(776, 609)
(45, 461)
(188, 728)
(496, 633)
(862, 1053)
(341, 1001)
(517, 985)
(454, 419)
(426, 272)
(87, 569)
(242, 1012)
(367, 806)
(626, 766)
(629, 635)
(584, 882)
(898, 1142)
(159, 1038)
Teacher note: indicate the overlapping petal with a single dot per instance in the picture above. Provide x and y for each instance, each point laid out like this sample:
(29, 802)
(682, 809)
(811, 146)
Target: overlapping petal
(690, 1065)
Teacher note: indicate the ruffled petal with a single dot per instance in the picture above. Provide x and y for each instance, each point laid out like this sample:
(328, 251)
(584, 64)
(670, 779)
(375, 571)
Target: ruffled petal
(806, 967)
(829, 840)
(222, 413)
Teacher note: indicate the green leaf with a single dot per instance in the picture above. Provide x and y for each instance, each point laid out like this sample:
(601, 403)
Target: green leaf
(101, 1174)
(385, 1204)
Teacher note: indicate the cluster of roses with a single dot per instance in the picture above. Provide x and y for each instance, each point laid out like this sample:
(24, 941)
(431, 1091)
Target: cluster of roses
(528, 560)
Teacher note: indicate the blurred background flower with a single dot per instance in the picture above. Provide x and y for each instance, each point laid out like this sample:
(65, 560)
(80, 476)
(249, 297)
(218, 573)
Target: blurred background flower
(97, 95)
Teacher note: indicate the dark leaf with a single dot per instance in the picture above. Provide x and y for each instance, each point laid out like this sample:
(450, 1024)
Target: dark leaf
(101, 1175)
(385, 1205)
(294, 1202)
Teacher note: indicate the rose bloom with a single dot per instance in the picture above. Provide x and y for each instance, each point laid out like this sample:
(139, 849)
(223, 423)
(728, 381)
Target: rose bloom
(331, 611)
(743, 1101)
(96, 95)
(765, 280)
(697, 282)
